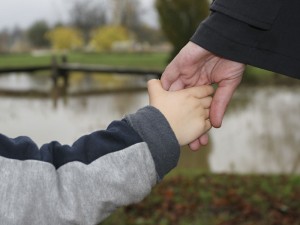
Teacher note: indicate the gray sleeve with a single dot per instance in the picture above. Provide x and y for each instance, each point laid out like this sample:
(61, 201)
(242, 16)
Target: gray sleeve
(155, 130)
(34, 192)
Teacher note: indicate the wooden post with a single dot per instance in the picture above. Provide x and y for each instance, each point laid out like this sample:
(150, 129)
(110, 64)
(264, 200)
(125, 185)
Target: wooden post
(54, 76)
(65, 73)
(54, 71)
(65, 76)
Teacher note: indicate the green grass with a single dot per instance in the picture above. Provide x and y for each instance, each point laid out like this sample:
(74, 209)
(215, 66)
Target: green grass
(136, 60)
(141, 60)
(257, 76)
(155, 61)
(17, 60)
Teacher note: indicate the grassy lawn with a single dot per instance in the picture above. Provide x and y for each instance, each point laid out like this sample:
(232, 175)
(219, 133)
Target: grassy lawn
(15, 60)
(156, 61)
(141, 60)
(136, 60)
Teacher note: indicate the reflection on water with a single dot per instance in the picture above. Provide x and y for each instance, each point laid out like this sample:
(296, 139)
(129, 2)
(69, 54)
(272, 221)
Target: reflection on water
(260, 132)
(23, 82)
(38, 119)
(79, 82)
(263, 136)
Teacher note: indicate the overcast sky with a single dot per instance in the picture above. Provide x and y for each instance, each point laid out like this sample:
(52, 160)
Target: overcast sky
(23, 13)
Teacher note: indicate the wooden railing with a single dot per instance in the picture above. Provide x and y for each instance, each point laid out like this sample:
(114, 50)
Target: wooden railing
(63, 70)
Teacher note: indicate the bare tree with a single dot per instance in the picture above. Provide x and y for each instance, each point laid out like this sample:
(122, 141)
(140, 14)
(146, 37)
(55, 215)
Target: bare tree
(87, 15)
(127, 14)
(4, 40)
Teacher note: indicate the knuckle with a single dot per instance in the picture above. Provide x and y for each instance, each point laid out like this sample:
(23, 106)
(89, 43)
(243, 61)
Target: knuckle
(210, 99)
(209, 90)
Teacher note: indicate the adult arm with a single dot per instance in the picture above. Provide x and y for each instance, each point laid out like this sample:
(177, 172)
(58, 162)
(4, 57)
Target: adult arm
(262, 33)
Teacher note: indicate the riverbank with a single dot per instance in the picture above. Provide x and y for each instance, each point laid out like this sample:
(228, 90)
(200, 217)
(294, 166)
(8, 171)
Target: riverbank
(254, 77)
(217, 199)
(155, 60)
(136, 60)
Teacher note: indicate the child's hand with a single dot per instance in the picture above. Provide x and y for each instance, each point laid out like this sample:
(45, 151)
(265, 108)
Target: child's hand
(187, 110)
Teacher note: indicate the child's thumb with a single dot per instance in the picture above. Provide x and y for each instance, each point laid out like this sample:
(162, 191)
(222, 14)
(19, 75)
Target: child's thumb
(154, 87)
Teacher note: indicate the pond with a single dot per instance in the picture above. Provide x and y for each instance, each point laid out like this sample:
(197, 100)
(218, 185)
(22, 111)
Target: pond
(260, 132)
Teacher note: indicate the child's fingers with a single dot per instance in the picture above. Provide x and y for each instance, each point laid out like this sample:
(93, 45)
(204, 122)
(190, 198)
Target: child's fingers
(202, 91)
(206, 113)
(154, 87)
(207, 125)
(206, 102)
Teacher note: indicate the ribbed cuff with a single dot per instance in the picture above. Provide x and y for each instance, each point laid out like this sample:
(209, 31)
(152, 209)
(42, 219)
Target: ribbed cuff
(155, 130)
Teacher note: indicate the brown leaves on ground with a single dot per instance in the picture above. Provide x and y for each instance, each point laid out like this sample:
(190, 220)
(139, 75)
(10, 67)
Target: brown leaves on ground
(220, 200)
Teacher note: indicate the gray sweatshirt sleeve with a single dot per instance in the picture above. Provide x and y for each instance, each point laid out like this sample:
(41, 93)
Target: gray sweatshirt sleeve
(84, 185)
(160, 138)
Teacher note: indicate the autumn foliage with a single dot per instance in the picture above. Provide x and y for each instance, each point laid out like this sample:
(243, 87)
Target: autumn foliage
(217, 200)
(105, 37)
(65, 38)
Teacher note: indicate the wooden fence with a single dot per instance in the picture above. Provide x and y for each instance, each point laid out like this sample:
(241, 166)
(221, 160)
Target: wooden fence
(63, 70)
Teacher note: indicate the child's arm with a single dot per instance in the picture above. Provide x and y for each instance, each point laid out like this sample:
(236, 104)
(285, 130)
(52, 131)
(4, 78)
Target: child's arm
(84, 183)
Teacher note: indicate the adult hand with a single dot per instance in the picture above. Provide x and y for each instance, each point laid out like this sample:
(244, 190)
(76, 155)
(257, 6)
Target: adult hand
(195, 66)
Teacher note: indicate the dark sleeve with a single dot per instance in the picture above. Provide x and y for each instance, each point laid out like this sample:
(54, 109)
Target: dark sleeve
(147, 125)
(117, 136)
(262, 33)
(258, 13)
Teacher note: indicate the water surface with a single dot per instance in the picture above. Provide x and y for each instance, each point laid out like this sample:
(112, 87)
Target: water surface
(260, 132)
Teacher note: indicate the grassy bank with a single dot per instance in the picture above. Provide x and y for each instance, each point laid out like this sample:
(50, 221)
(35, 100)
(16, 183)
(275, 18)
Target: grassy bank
(140, 60)
(252, 76)
(256, 76)
(211, 199)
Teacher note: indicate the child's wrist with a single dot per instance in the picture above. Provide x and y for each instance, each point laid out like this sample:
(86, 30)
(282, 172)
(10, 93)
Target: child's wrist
(156, 131)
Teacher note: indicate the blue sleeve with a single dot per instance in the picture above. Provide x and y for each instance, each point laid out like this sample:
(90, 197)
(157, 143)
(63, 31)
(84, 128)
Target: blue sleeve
(86, 149)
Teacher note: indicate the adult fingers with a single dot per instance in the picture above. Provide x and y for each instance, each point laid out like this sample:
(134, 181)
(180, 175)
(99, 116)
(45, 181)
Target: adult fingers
(170, 75)
(203, 139)
(195, 145)
(177, 85)
(199, 142)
